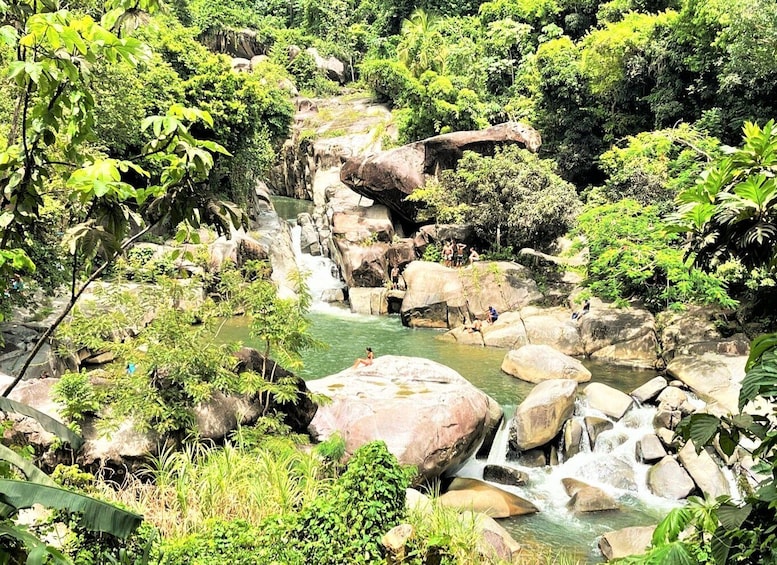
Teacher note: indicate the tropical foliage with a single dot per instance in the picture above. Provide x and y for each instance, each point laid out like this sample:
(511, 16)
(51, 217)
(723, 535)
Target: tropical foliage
(725, 531)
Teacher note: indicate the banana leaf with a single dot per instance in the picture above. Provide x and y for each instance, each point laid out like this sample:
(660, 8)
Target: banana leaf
(96, 514)
(47, 422)
(26, 466)
(38, 552)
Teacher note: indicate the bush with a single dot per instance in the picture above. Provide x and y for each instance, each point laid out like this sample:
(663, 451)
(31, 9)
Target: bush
(631, 256)
(77, 396)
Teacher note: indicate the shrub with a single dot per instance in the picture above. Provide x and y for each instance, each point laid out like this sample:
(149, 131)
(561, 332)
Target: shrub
(631, 256)
(77, 396)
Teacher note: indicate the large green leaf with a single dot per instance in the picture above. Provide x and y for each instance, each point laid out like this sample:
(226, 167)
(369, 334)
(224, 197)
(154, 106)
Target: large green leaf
(720, 544)
(96, 514)
(26, 466)
(759, 346)
(47, 422)
(38, 552)
(700, 428)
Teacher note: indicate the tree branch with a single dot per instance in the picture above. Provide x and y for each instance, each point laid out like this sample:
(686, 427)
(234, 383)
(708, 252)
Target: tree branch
(73, 299)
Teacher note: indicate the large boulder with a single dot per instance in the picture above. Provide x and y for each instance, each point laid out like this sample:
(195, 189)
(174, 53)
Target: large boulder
(553, 327)
(443, 297)
(362, 265)
(620, 336)
(714, 378)
(475, 495)
(695, 331)
(333, 67)
(629, 541)
(539, 418)
(444, 418)
(608, 400)
(649, 390)
(704, 471)
(390, 176)
(537, 363)
(668, 479)
(587, 498)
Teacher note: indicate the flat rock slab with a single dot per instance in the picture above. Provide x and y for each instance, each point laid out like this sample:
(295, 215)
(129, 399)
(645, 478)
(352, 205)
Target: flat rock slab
(625, 542)
(537, 363)
(428, 415)
(471, 494)
(608, 400)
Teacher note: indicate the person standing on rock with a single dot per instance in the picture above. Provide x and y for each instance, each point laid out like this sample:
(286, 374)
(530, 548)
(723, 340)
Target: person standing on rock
(366, 361)
(460, 249)
(447, 253)
(395, 277)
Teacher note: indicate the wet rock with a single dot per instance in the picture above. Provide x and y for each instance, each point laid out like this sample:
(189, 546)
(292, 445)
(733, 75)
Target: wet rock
(649, 449)
(649, 390)
(591, 499)
(477, 496)
(669, 480)
(368, 300)
(627, 541)
(539, 418)
(610, 470)
(607, 400)
(595, 426)
(504, 475)
(704, 471)
(532, 458)
(572, 437)
(665, 418)
(429, 396)
(537, 363)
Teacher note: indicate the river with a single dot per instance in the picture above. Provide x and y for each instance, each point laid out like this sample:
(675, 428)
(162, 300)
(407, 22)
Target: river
(347, 334)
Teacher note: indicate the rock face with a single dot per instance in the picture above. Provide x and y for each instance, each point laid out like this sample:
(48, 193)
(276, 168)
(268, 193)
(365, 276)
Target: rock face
(471, 494)
(389, 176)
(537, 363)
(333, 67)
(541, 415)
(237, 43)
(441, 297)
(622, 336)
(444, 418)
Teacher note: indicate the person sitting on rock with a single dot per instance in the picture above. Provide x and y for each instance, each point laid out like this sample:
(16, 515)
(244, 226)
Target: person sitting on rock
(477, 326)
(492, 315)
(579, 314)
(366, 361)
(474, 256)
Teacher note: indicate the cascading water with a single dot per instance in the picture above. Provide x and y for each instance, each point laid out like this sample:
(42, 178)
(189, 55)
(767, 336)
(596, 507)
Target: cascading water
(323, 275)
(609, 464)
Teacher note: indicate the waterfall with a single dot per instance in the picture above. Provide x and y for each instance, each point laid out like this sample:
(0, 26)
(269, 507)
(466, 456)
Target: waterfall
(610, 464)
(322, 274)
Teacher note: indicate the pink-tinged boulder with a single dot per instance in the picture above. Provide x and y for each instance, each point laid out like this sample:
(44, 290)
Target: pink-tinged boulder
(542, 414)
(478, 496)
(428, 415)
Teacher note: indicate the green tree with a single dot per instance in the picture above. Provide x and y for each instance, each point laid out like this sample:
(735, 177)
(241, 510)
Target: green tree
(513, 198)
(55, 54)
(730, 215)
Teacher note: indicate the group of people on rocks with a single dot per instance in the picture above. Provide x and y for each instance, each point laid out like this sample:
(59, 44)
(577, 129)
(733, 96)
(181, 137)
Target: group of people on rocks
(453, 254)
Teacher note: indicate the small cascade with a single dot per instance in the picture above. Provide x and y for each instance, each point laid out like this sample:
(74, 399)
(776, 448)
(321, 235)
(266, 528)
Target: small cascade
(609, 464)
(323, 275)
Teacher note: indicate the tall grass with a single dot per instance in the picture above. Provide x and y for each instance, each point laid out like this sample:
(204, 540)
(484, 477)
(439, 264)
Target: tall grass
(181, 490)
